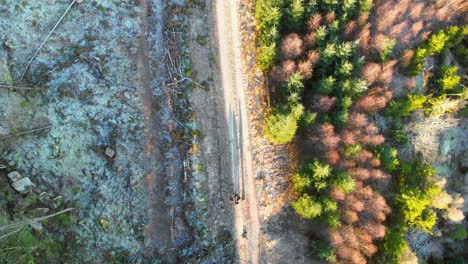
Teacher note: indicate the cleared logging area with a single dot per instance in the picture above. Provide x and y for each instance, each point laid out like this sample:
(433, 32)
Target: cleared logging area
(95, 115)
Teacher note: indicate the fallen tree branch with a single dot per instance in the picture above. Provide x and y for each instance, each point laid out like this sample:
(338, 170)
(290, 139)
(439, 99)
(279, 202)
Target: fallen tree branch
(190, 79)
(11, 233)
(20, 87)
(34, 220)
(26, 132)
(47, 38)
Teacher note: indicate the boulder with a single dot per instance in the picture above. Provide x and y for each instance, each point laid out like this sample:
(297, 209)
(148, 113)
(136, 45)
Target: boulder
(57, 201)
(9, 43)
(37, 226)
(44, 197)
(15, 176)
(23, 184)
(30, 155)
(109, 152)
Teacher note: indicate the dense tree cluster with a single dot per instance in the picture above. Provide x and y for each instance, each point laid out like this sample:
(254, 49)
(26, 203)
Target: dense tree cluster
(446, 79)
(405, 21)
(329, 72)
(336, 186)
(416, 198)
(439, 43)
(301, 51)
(361, 210)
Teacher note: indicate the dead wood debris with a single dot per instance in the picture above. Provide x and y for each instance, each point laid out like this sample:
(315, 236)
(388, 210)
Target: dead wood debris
(174, 65)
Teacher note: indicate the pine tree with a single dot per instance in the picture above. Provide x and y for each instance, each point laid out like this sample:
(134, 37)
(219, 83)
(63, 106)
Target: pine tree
(307, 207)
(281, 128)
(292, 46)
(344, 181)
(326, 85)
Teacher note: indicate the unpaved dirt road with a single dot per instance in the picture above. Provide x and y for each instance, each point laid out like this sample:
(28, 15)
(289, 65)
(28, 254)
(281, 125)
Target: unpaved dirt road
(245, 213)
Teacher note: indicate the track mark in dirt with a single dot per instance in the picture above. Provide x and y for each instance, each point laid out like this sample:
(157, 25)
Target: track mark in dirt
(158, 231)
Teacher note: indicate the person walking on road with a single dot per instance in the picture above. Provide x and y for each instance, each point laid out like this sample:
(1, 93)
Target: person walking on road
(244, 232)
(234, 197)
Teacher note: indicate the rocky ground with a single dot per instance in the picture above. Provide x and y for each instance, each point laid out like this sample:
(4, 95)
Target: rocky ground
(105, 93)
(442, 142)
(83, 93)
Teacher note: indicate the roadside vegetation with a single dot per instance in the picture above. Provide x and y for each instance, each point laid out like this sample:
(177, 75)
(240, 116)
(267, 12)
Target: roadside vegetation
(330, 74)
(28, 228)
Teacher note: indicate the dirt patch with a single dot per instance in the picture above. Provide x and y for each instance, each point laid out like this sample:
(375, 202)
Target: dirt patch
(283, 233)
(211, 149)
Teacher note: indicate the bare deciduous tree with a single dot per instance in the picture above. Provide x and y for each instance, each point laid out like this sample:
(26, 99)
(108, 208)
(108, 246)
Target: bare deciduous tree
(292, 46)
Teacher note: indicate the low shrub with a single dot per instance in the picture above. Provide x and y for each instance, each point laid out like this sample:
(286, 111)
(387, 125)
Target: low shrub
(266, 56)
(344, 181)
(308, 118)
(295, 12)
(389, 157)
(447, 78)
(322, 250)
(307, 207)
(268, 15)
(326, 85)
(439, 42)
(441, 105)
(414, 205)
(436, 43)
(459, 232)
(295, 84)
(392, 245)
(386, 50)
(403, 107)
